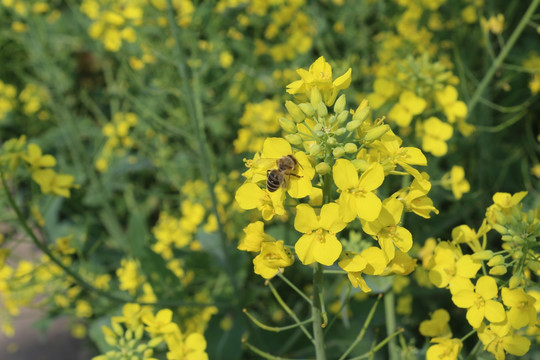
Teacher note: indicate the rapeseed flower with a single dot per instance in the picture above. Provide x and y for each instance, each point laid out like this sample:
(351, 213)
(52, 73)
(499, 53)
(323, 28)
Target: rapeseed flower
(319, 242)
(455, 180)
(437, 326)
(522, 307)
(251, 196)
(444, 349)
(370, 261)
(480, 302)
(436, 133)
(500, 339)
(357, 193)
(273, 256)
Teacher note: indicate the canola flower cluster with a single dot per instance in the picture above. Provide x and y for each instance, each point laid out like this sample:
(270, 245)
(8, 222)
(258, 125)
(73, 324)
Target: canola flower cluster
(332, 152)
(138, 331)
(495, 287)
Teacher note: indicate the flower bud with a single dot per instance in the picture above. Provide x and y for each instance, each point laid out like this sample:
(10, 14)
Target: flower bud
(322, 168)
(514, 282)
(496, 260)
(293, 109)
(315, 97)
(287, 125)
(353, 125)
(339, 105)
(322, 110)
(376, 133)
(360, 164)
(338, 152)
(500, 229)
(315, 149)
(331, 141)
(362, 111)
(497, 270)
(318, 127)
(340, 131)
(307, 109)
(342, 116)
(294, 139)
(350, 148)
(482, 255)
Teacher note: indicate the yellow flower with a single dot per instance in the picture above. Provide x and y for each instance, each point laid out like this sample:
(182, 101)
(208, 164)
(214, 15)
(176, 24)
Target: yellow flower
(385, 228)
(250, 196)
(437, 325)
(319, 242)
(320, 76)
(273, 256)
(445, 349)
(36, 159)
(357, 194)
(254, 237)
(452, 107)
(370, 261)
(51, 182)
(435, 135)
(455, 180)
(522, 310)
(159, 324)
(415, 197)
(480, 303)
(500, 339)
(409, 105)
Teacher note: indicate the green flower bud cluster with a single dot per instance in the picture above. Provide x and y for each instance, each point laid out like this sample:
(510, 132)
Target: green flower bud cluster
(129, 344)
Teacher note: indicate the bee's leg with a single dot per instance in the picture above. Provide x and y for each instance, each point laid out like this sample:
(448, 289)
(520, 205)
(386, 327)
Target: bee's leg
(298, 176)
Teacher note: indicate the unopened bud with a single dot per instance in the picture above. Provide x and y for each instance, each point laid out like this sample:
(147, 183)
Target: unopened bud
(362, 111)
(342, 116)
(293, 109)
(338, 152)
(294, 139)
(322, 110)
(322, 168)
(376, 133)
(339, 105)
(331, 141)
(514, 282)
(360, 164)
(353, 125)
(307, 109)
(315, 149)
(498, 270)
(496, 260)
(315, 97)
(287, 125)
(350, 148)
(340, 131)
(500, 229)
(318, 127)
(483, 255)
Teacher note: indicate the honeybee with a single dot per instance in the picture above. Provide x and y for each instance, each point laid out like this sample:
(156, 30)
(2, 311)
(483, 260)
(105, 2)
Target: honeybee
(280, 176)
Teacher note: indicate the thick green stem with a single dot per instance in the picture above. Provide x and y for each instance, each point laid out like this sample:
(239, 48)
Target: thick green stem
(316, 312)
(390, 319)
(502, 55)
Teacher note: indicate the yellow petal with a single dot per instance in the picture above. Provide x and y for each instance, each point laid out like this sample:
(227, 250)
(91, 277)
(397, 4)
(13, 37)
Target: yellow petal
(372, 178)
(304, 248)
(305, 220)
(330, 218)
(248, 196)
(328, 251)
(368, 206)
(275, 148)
(345, 174)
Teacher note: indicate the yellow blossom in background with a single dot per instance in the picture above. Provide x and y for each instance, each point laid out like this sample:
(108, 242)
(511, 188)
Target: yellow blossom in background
(455, 180)
(36, 159)
(453, 108)
(128, 275)
(51, 182)
(159, 324)
(437, 326)
(494, 24)
(408, 106)
(436, 133)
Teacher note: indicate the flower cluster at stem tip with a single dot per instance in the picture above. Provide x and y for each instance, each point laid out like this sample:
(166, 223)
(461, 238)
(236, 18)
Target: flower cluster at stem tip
(340, 160)
(497, 289)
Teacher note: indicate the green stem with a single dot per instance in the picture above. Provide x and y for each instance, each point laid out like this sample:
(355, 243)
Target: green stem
(316, 312)
(390, 338)
(390, 319)
(73, 274)
(261, 353)
(502, 55)
(298, 291)
(364, 328)
(275, 328)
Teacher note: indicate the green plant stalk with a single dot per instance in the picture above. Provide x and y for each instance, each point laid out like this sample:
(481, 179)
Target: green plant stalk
(289, 311)
(379, 346)
(297, 290)
(274, 328)
(390, 319)
(364, 328)
(316, 312)
(195, 110)
(502, 55)
(261, 353)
